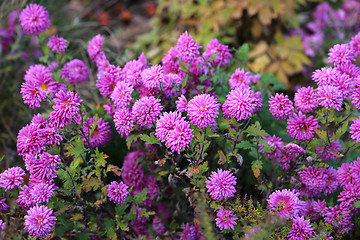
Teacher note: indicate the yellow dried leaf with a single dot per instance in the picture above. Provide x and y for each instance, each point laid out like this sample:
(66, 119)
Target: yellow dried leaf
(273, 67)
(259, 49)
(256, 172)
(114, 169)
(265, 16)
(75, 217)
(222, 157)
(193, 170)
(256, 29)
(260, 63)
(287, 67)
(281, 76)
(99, 202)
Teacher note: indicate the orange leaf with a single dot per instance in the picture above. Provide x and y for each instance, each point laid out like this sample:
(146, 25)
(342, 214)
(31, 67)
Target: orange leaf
(256, 172)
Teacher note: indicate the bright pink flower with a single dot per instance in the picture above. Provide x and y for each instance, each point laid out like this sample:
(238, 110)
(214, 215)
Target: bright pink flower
(3, 206)
(109, 108)
(329, 96)
(133, 69)
(122, 94)
(186, 47)
(276, 145)
(39, 221)
(108, 80)
(325, 76)
(340, 217)
(239, 79)
(24, 199)
(355, 129)
(123, 121)
(94, 48)
(32, 94)
(328, 152)
(57, 44)
(240, 103)
(75, 71)
(146, 110)
(190, 232)
(34, 19)
(153, 76)
(225, 219)
(42, 192)
(180, 137)
(355, 45)
(100, 132)
(302, 128)
(169, 62)
(284, 202)
(171, 83)
(181, 104)
(214, 47)
(29, 141)
(349, 195)
(306, 100)
(344, 174)
(133, 175)
(117, 192)
(345, 84)
(301, 229)
(202, 110)
(348, 68)
(42, 167)
(280, 106)
(12, 177)
(340, 54)
(165, 124)
(221, 184)
(66, 108)
(314, 181)
(356, 98)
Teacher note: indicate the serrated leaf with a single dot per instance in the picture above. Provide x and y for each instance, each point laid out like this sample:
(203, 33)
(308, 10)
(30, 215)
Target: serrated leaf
(100, 158)
(75, 217)
(132, 138)
(322, 134)
(77, 149)
(90, 183)
(356, 204)
(123, 226)
(244, 145)
(184, 81)
(141, 197)
(222, 157)
(99, 202)
(115, 169)
(203, 167)
(255, 130)
(149, 139)
(341, 130)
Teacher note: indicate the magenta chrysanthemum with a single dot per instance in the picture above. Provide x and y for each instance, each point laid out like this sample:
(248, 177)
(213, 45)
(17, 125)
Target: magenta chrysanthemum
(34, 19)
(75, 71)
(340, 217)
(133, 69)
(133, 175)
(94, 48)
(330, 96)
(101, 133)
(305, 100)
(355, 129)
(225, 219)
(302, 128)
(44, 167)
(39, 221)
(344, 174)
(123, 121)
(165, 124)
(239, 79)
(325, 76)
(314, 181)
(3, 206)
(301, 229)
(108, 80)
(240, 103)
(146, 110)
(153, 76)
(340, 54)
(214, 47)
(180, 137)
(117, 192)
(12, 177)
(67, 107)
(29, 141)
(190, 232)
(186, 47)
(349, 195)
(355, 45)
(202, 110)
(122, 94)
(158, 226)
(328, 152)
(345, 84)
(356, 98)
(57, 44)
(280, 106)
(42, 192)
(221, 184)
(24, 199)
(276, 145)
(283, 202)
(181, 104)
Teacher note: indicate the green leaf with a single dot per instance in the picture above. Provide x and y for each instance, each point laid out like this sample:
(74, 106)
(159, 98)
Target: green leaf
(255, 130)
(141, 197)
(132, 138)
(149, 139)
(100, 158)
(120, 209)
(74, 164)
(356, 204)
(82, 235)
(77, 149)
(244, 145)
(212, 58)
(243, 52)
(203, 167)
(183, 84)
(340, 131)
(2, 158)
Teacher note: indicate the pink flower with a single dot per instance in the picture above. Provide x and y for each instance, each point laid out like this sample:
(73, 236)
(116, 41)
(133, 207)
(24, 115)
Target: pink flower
(221, 184)
(169, 62)
(122, 94)
(325, 76)
(97, 131)
(349, 195)
(39, 221)
(57, 44)
(291, 151)
(67, 107)
(301, 229)
(340, 217)
(214, 47)
(108, 80)
(75, 71)
(225, 219)
(29, 141)
(328, 152)
(239, 79)
(280, 106)
(44, 167)
(186, 47)
(306, 100)
(330, 96)
(356, 98)
(158, 226)
(146, 110)
(42, 192)
(32, 94)
(133, 69)
(302, 128)
(34, 19)
(123, 121)
(202, 110)
(240, 103)
(109, 109)
(283, 202)
(181, 104)
(345, 84)
(12, 177)
(180, 137)
(190, 232)
(133, 175)
(153, 76)
(355, 45)
(3, 206)
(117, 192)
(340, 54)
(314, 181)
(344, 174)
(165, 124)
(94, 48)
(355, 129)
(276, 145)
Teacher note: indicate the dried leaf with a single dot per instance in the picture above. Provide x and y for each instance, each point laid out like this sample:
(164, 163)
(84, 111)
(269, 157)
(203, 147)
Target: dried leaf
(222, 157)
(114, 169)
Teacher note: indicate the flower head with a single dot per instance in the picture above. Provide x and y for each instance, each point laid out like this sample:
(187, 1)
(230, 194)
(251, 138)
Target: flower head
(341, 53)
(328, 152)
(42, 192)
(239, 79)
(165, 124)
(190, 232)
(24, 199)
(108, 80)
(330, 96)
(314, 181)
(29, 141)
(153, 76)
(355, 45)
(146, 110)
(75, 71)
(117, 192)
(306, 100)
(301, 229)
(12, 177)
(123, 121)
(98, 135)
(283, 202)
(34, 19)
(280, 106)
(186, 47)
(355, 129)
(222, 51)
(202, 110)
(133, 69)
(122, 94)
(221, 184)
(180, 137)
(181, 104)
(225, 219)
(302, 128)
(42, 167)
(94, 48)
(39, 221)
(325, 76)
(57, 44)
